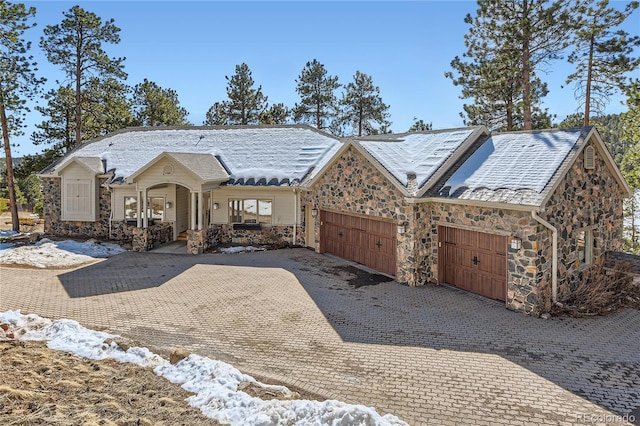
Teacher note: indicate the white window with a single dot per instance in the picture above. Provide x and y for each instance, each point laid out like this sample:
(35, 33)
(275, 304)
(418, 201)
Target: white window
(130, 208)
(156, 208)
(585, 247)
(78, 200)
(250, 211)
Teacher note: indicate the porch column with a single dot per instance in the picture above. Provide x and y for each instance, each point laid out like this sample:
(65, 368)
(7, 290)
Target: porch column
(139, 210)
(145, 216)
(200, 210)
(193, 211)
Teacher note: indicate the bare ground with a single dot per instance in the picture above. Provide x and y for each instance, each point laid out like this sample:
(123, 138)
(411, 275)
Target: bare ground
(46, 387)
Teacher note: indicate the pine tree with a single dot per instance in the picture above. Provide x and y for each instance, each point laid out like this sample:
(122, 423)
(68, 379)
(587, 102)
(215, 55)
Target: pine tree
(76, 45)
(630, 166)
(318, 102)
(420, 126)
(155, 106)
(107, 107)
(362, 106)
(18, 83)
(245, 103)
(507, 43)
(602, 55)
(275, 114)
(217, 115)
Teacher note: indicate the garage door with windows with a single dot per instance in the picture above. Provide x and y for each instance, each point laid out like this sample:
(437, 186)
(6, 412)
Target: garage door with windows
(371, 242)
(473, 261)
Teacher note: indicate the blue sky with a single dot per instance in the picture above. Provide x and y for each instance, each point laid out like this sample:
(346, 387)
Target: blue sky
(405, 46)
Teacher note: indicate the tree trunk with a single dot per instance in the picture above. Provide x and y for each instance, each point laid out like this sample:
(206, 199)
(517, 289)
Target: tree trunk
(526, 71)
(13, 205)
(587, 99)
(78, 96)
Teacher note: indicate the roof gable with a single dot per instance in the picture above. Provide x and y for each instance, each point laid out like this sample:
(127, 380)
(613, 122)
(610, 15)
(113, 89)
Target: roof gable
(92, 165)
(203, 168)
(419, 154)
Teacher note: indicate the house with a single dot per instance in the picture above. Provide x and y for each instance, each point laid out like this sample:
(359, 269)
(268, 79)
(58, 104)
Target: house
(149, 186)
(510, 216)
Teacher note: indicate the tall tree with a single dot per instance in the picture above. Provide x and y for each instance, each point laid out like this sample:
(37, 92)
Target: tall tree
(519, 36)
(76, 45)
(107, 107)
(630, 165)
(602, 55)
(245, 103)
(275, 114)
(155, 106)
(58, 126)
(18, 83)
(362, 106)
(318, 102)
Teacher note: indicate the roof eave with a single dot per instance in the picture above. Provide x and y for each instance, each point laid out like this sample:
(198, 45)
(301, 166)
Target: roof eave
(477, 203)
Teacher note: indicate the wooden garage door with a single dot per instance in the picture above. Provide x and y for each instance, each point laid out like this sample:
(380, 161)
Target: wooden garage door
(473, 261)
(363, 240)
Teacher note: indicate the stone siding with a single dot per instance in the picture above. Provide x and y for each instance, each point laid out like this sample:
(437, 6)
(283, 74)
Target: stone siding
(52, 211)
(584, 199)
(151, 237)
(200, 241)
(525, 267)
(353, 185)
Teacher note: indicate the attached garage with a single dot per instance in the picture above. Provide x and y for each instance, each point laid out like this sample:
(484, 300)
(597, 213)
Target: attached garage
(473, 261)
(371, 242)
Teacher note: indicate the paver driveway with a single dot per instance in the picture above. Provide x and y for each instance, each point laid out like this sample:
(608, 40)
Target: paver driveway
(430, 355)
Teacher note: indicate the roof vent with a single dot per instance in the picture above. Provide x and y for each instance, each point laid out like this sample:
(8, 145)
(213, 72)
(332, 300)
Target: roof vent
(589, 158)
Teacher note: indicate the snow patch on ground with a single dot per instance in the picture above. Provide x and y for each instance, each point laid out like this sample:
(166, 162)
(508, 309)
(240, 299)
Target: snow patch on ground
(241, 249)
(58, 254)
(7, 233)
(214, 383)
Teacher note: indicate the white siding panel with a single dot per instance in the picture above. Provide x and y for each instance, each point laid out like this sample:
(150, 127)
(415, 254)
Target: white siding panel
(156, 174)
(283, 203)
(79, 194)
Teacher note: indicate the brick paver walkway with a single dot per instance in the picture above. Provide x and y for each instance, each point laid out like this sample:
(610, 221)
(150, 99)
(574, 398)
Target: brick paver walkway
(430, 355)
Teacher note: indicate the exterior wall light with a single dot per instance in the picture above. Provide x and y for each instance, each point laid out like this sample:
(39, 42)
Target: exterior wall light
(216, 206)
(402, 228)
(314, 212)
(516, 243)
(168, 204)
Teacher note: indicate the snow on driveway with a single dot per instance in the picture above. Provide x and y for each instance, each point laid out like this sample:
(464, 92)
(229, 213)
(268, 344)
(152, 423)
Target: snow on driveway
(57, 254)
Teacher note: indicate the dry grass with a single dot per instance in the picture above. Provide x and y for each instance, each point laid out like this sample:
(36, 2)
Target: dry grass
(598, 291)
(46, 387)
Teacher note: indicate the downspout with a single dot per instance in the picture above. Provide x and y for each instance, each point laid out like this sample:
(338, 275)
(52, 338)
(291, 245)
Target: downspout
(554, 256)
(111, 213)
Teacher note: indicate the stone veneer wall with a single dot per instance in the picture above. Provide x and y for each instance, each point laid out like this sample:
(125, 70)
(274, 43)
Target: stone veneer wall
(353, 185)
(585, 198)
(200, 241)
(527, 275)
(52, 211)
(145, 239)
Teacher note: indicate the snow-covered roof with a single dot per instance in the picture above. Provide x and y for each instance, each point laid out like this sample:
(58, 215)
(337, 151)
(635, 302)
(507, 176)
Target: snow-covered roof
(420, 153)
(514, 168)
(251, 154)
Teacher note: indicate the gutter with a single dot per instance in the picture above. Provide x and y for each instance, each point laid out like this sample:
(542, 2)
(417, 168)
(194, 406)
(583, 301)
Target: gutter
(554, 256)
